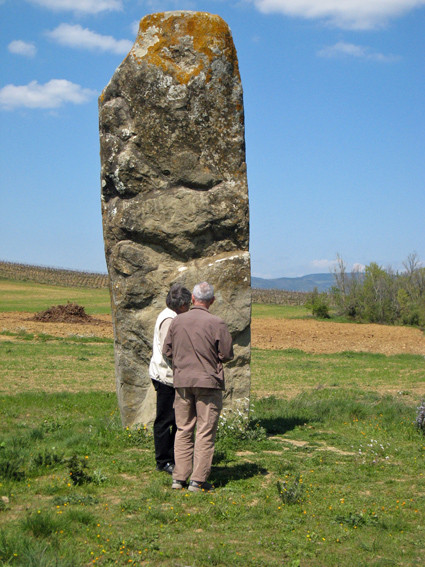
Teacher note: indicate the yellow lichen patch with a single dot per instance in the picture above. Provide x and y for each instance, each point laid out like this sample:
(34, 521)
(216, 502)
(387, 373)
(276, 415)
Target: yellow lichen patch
(183, 44)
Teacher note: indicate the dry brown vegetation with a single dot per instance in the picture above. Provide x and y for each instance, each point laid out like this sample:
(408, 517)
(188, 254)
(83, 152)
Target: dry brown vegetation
(279, 297)
(53, 276)
(69, 313)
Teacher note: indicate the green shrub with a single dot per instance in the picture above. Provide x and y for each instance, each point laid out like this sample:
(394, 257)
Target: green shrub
(318, 303)
(47, 459)
(77, 471)
(290, 493)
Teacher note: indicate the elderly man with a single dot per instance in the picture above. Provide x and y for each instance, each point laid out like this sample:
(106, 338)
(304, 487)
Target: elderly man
(164, 428)
(198, 343)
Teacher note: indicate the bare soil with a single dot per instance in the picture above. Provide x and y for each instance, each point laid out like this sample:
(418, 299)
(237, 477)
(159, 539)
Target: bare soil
(15, 322)
(327, 337)
(307, 335)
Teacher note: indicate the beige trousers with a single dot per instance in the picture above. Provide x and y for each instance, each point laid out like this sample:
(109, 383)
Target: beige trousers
(200, 408)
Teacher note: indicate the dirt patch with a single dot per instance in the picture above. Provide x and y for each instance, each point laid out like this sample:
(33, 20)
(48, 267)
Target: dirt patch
(328, 337)
(294, 442)
(21, 322)
(307, 335)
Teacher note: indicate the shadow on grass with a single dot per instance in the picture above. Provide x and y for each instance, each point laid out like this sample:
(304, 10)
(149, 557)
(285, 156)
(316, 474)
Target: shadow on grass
(239, 471)
(280, 425)
(278, 416)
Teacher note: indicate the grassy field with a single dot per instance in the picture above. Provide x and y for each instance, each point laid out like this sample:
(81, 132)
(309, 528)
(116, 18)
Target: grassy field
(329, 471)
(34, 297)
(264, 311)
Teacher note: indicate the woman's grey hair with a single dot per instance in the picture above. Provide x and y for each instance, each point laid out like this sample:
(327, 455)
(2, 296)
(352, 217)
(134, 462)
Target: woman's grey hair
(203, 291)
(178, 296)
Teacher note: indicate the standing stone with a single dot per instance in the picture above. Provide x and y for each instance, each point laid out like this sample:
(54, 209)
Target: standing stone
(174, 193)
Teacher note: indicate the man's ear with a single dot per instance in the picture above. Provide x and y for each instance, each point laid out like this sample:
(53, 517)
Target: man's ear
(212, 300)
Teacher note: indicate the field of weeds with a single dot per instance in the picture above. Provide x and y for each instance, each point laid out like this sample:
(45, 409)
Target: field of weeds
(327, 471)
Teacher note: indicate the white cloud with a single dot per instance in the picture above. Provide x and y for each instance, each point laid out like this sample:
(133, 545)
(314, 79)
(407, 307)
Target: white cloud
(348, 14)
(50, 95)
(358, 267)
(19, 47)
(343, 49)
(83, 38)
(85, 6)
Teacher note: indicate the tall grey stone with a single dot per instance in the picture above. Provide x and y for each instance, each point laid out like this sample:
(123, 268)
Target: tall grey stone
(174, 192)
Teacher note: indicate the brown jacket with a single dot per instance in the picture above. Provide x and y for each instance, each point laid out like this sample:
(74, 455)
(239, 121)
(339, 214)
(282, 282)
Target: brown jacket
(198, 342)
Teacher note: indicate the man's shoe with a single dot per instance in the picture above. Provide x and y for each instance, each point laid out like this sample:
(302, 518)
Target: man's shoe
(195, 486)
(168, 468)
(179, 484)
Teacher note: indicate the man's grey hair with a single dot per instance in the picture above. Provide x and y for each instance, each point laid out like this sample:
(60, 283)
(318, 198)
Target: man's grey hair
(203, 292)
(178, 296)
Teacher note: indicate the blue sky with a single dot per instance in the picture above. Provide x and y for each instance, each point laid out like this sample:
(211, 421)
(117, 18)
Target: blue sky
(334, 94)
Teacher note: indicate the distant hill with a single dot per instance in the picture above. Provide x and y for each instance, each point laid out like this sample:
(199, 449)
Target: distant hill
(323, 282)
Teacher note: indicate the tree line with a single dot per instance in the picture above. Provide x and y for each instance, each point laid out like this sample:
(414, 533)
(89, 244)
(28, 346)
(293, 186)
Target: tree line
(377, 294)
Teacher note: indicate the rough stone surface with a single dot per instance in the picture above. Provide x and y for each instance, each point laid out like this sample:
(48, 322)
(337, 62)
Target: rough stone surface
(174, 192)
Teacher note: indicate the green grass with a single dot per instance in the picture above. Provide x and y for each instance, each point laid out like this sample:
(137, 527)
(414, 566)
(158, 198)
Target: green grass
(330, 471)
(282, 373)
(52, 364)
(33, 297)
(330, 475)
(264, 311)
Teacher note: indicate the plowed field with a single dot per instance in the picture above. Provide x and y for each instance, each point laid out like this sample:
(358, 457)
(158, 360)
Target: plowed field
(307, 335)
(327, 337)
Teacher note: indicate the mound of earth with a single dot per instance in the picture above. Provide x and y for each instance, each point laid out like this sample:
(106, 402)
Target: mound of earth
(69, 313)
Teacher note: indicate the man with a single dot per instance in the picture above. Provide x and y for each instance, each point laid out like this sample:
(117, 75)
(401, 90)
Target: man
(164, 429)
(197, 343)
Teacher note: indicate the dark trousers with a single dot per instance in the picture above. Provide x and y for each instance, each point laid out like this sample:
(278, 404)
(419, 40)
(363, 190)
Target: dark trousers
(164, 427)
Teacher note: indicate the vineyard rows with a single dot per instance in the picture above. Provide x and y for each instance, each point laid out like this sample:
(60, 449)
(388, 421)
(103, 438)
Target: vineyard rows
(52, 276)
(57, 276)
(279, 296)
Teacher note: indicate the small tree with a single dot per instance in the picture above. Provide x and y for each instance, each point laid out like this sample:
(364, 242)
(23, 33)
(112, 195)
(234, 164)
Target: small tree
(414, 277)
(347, 289)
(319, 304)
(379, 295)
(411, 295)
